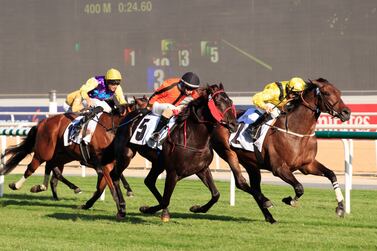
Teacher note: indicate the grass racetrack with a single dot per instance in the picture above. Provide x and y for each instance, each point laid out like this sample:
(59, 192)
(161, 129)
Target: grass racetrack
(35, 222)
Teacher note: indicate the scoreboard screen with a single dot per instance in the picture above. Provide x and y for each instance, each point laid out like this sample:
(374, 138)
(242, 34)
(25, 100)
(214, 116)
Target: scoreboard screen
(46, 44)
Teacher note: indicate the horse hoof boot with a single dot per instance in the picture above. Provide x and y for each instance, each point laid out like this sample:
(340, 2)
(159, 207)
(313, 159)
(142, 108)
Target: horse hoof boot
(13, 186)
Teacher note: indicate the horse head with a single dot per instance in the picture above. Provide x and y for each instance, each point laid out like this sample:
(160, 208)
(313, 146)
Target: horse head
(221, 107)
(329, 99)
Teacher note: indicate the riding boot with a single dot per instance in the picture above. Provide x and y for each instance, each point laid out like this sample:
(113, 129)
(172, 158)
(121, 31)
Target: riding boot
(253, 127)
(86, 117)
(156, 133)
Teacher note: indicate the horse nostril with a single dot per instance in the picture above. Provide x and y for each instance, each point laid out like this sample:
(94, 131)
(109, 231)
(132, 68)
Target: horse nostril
(346, 114)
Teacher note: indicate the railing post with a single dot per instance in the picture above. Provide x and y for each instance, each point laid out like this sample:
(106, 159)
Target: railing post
(1, 185)
(53, 106)
(347, 178)
(232, 199)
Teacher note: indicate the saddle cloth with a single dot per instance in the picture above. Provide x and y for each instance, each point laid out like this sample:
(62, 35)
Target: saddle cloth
(68, 133)
(146, 127)
(244, 140)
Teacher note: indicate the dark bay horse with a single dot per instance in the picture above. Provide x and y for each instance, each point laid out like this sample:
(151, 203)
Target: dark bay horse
(46, 142)
(185, 152)
(290, 143)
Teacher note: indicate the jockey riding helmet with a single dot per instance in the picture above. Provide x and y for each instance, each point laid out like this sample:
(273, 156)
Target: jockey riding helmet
(190, 80)
(296, 84)
(113, 76)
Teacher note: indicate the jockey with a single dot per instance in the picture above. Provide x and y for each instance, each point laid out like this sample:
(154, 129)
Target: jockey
(273, 97)
(94, 93)
(170, 98)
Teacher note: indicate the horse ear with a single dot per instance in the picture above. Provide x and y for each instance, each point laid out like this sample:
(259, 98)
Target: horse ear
(221, 86)
(315, 82)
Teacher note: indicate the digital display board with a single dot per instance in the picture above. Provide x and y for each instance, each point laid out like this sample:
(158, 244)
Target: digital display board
(46, 44)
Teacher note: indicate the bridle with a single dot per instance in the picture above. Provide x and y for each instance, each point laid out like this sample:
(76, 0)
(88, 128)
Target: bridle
(321, 101)
(215, 112)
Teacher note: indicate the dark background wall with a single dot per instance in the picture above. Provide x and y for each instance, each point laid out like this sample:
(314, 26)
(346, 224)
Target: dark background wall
(47, 44)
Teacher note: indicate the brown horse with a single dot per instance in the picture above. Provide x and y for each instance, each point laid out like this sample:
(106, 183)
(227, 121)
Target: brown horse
(290, 143)
(46, 142)
(136, 104)
(184, 153)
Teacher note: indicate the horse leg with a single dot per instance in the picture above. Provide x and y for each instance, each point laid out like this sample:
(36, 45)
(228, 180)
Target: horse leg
(44, 186)
(286, 175)
(317, 168)
(170, 182)
(127, 186)
(206, 177)
(255, 180)
(115, 190)
(59, 175)
(101, 185)
(150, 182)
(33, 165)
(53, 185)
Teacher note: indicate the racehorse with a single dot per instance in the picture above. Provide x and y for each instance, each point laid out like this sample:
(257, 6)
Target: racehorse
(47, 142)
(185, 152)
(290, 144)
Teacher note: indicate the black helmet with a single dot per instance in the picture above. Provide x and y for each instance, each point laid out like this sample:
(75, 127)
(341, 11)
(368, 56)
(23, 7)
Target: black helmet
(190, 80)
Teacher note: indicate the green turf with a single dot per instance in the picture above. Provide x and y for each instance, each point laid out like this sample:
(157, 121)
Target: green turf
(35, 222)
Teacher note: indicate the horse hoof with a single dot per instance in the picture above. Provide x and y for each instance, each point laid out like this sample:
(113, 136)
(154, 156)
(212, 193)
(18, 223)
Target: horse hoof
(84, 207)
(195, 209)
(144, 209)
(13, 186)
(165, 216)
(120, 216)
(130, 194)
(289, 201)
(38, 188)
(77, 190)
(268, 204)
(339, 211)
(272, 221)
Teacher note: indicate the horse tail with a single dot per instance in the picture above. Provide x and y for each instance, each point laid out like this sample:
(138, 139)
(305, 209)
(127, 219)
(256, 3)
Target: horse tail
(19, 151)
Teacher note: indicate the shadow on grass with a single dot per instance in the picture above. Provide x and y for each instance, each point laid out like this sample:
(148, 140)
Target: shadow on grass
(32, 200)
(130, 218)
(138, 218)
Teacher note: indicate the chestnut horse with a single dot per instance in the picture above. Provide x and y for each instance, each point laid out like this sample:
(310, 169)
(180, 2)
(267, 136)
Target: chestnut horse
(290, 144)
(46, 141)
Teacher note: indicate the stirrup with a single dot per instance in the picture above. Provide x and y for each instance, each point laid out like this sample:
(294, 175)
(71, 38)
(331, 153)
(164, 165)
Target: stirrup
(153, 140)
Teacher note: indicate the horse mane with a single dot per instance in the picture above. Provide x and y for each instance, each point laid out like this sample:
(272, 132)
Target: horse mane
(322, 80)
(186, 112)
